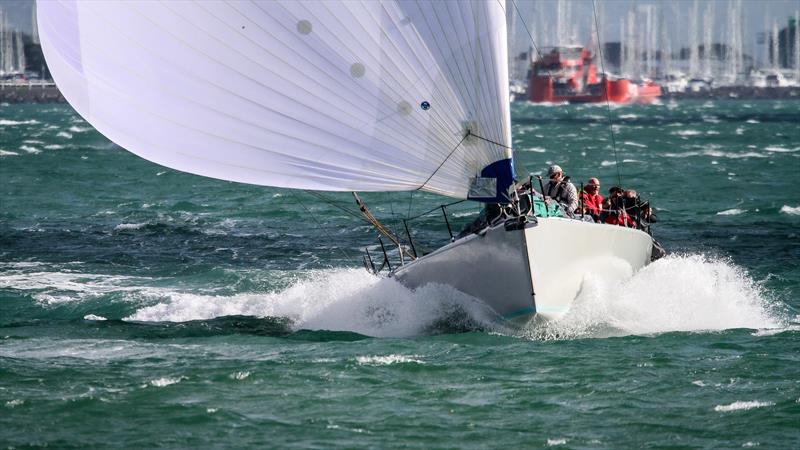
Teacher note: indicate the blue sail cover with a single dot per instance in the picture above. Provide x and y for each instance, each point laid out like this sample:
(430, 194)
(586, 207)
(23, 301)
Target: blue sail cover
(503, 172)
(324, 95)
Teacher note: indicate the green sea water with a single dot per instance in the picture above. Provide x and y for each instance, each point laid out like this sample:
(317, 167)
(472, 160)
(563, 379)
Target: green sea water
(142, 307)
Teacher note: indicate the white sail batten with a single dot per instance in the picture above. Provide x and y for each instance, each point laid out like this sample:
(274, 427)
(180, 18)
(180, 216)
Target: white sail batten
(323, 95)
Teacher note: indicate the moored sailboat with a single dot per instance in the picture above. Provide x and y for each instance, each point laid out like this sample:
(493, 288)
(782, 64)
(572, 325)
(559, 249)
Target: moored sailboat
(351, 96)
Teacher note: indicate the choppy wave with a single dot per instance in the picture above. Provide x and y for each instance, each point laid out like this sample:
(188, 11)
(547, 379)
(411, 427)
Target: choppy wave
(676, 293)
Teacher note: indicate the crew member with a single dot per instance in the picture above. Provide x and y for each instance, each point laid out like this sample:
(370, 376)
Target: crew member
(592, 200)
(561, 190)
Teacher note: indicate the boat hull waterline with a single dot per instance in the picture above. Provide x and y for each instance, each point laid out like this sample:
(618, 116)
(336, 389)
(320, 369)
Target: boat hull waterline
(537, 271)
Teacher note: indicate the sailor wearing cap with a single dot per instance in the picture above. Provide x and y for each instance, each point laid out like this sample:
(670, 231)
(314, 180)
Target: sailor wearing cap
(561, 190)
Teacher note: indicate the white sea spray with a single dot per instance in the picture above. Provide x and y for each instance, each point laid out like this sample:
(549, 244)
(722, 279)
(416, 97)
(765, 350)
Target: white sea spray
(336, 300)
(676, 293)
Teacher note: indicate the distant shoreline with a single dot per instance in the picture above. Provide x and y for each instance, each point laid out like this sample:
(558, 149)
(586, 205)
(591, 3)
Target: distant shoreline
(47, 92)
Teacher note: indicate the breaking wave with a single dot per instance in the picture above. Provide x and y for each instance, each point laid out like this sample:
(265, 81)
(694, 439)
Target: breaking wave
(336, 300)
(676, 293)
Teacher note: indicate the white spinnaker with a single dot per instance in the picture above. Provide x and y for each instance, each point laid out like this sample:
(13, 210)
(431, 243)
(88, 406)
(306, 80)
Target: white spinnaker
(322, 95)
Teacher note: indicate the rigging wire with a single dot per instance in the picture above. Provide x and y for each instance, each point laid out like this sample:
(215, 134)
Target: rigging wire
(319, 225)
(605, 89)
(410, 202)
(445, 160)
(533, 41)
(364, 215)
(333, 203)
(438, 208)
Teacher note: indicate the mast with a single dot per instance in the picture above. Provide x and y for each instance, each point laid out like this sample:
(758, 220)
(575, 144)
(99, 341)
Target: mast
(634, 66)
(665, 65)
(34, 26)
(693, 47)
(774, 46)
(20, 52)
(3, 49)
(708, 26)
(797, 45)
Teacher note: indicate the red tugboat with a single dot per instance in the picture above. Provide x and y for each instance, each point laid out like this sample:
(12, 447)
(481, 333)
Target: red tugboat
(568, 74)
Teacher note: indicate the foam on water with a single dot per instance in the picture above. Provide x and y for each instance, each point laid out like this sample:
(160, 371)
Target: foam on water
(634, 144)
(130, 226)
(676, 293)
(388, 359)
(779, 149)
(54, 287)
(731, 212)
(687, 133)
(736, 406)
(166, 381)
(791, 210)
(336, 300)
(6, 122)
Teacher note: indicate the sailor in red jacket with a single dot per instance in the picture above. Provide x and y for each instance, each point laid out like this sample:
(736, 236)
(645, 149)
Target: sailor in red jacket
(592, 200)
(616, 215)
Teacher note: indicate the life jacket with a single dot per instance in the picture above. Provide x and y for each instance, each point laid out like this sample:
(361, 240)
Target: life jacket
(559, 188)
(622, 219)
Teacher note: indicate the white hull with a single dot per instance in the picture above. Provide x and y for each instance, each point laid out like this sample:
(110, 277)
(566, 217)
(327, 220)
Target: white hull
(537, 271)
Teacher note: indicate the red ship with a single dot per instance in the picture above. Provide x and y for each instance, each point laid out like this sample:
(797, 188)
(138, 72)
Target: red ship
(568, 74)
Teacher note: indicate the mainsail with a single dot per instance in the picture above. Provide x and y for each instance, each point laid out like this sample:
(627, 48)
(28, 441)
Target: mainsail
(322, 95)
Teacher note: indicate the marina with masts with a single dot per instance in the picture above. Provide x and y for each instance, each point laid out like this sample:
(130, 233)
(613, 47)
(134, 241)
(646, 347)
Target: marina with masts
(696, 49)
(23, 72)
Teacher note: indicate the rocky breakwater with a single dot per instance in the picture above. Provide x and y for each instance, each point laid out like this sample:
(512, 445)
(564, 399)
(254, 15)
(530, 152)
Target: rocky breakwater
(30, 92)
(743, 92)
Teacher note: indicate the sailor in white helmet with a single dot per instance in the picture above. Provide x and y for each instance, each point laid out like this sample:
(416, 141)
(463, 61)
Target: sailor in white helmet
(561, 190)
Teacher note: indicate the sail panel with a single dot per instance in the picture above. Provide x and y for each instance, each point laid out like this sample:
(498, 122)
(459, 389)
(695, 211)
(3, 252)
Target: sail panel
(324, 95)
